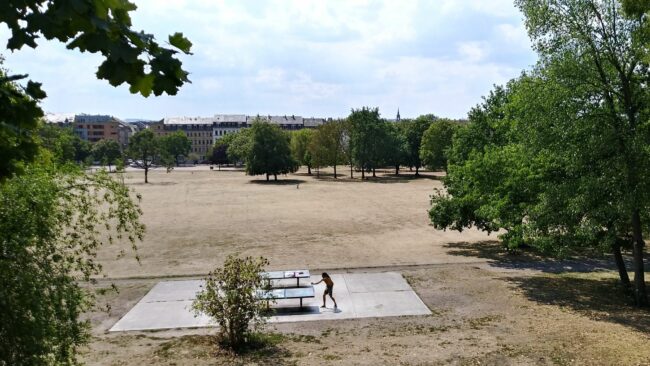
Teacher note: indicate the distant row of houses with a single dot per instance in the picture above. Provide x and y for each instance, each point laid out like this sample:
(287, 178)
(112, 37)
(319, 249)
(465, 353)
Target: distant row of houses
(203, 132)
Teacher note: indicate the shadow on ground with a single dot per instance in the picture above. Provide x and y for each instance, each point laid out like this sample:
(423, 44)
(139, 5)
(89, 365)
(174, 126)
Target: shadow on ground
(382, 177)
(585, 285)
(526, 259)
(279, 182)
(151, 183)
(598, 298)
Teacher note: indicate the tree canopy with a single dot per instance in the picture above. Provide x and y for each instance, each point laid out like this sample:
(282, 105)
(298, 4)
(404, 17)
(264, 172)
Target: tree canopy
(557, 158)
(143, 149)
(436, 140)
(269, 151)
(175, 145)
(107, 152)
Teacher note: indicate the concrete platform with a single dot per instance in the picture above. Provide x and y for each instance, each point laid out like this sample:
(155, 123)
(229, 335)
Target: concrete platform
(359, 295)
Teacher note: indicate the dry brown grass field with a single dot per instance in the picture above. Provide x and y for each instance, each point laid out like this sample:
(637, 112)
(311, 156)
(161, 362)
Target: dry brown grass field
(488, 307)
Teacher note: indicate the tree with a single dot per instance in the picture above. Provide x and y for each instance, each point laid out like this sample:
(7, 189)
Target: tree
(175, 145)
(595, 46)
(19, 116)
(50, 217)
(346, 144)
(395, 147)
(107, 152)
(219, 153)
(437, 139)
(269, 152)
(334, 138)
(59, 141)
(231, 297)
(51, 212)
(319, 150)
(300, 141)
(143, 149)
(130, 57)
(239, 145)
(414, 131)
(366, 136)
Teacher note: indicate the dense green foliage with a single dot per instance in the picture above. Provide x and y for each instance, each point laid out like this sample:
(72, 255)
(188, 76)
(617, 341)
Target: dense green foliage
(96, 26)
(50, 217)
(174, 146)
(19, 116)
(104, 27)
(558, 158)
(436, 140)
(107, 152)
(54, 216)
(395, 148)
(239, 145)
(64, 144)
(269, 152)
(230, 296)
(367, 135)
(300, 142)
(413, 132)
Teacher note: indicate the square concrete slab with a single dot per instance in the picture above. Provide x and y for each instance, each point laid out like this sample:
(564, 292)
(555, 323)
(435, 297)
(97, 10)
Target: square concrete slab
(370, 282)
(358, 295)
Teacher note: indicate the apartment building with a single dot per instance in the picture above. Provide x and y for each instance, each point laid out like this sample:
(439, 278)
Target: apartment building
(93, 128)
(203, 132)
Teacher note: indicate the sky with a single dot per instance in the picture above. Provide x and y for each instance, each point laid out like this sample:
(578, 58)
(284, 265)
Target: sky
(303, 57)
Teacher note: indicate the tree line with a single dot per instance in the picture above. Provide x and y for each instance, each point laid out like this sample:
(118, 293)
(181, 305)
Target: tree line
(145, 149)
(53, 214)
(559, 158)
(363, 141)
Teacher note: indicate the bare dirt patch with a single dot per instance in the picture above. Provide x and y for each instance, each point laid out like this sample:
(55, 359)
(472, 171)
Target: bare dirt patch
(195, 219)
(489, 307)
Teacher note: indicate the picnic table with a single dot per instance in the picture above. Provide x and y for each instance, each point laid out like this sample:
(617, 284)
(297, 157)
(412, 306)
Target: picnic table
(283, 275)
(286, 293)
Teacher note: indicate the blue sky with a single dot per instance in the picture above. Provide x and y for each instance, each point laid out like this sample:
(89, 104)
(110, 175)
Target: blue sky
(303, 57)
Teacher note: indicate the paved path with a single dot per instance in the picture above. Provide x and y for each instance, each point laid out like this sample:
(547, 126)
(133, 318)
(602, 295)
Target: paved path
(359, 295)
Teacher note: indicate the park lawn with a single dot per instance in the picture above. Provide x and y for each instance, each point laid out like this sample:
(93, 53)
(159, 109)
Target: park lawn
(480, 316)
(487, 307)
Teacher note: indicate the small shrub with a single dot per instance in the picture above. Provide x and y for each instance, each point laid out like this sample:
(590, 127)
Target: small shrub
(230, 298)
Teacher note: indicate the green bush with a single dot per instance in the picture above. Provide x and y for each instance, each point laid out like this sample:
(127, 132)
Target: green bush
(230, 297)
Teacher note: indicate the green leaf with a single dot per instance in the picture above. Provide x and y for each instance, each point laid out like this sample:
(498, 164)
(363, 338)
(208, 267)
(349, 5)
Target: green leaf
(177, 40)
(34, 90)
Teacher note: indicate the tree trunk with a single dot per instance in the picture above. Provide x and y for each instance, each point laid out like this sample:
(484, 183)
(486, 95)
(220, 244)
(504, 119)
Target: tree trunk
(267, 177)
(309, 169)
(146, 173)
(417, 171)
(275, 177)
(363, 173)
(334, 171)
(374, 175)
(640, 294)
(109, 167)
(317, 172)
(351, 172)
(397, 169)
(620, 264)
(410, 168)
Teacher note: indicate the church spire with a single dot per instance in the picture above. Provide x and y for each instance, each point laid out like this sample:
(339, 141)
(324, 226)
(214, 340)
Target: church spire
(398, 117)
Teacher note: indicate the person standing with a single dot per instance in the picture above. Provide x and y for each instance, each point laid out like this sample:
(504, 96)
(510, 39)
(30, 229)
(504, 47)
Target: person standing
(329, 289)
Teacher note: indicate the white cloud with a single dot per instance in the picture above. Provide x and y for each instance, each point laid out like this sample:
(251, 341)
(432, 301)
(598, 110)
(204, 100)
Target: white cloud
(306, 57)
